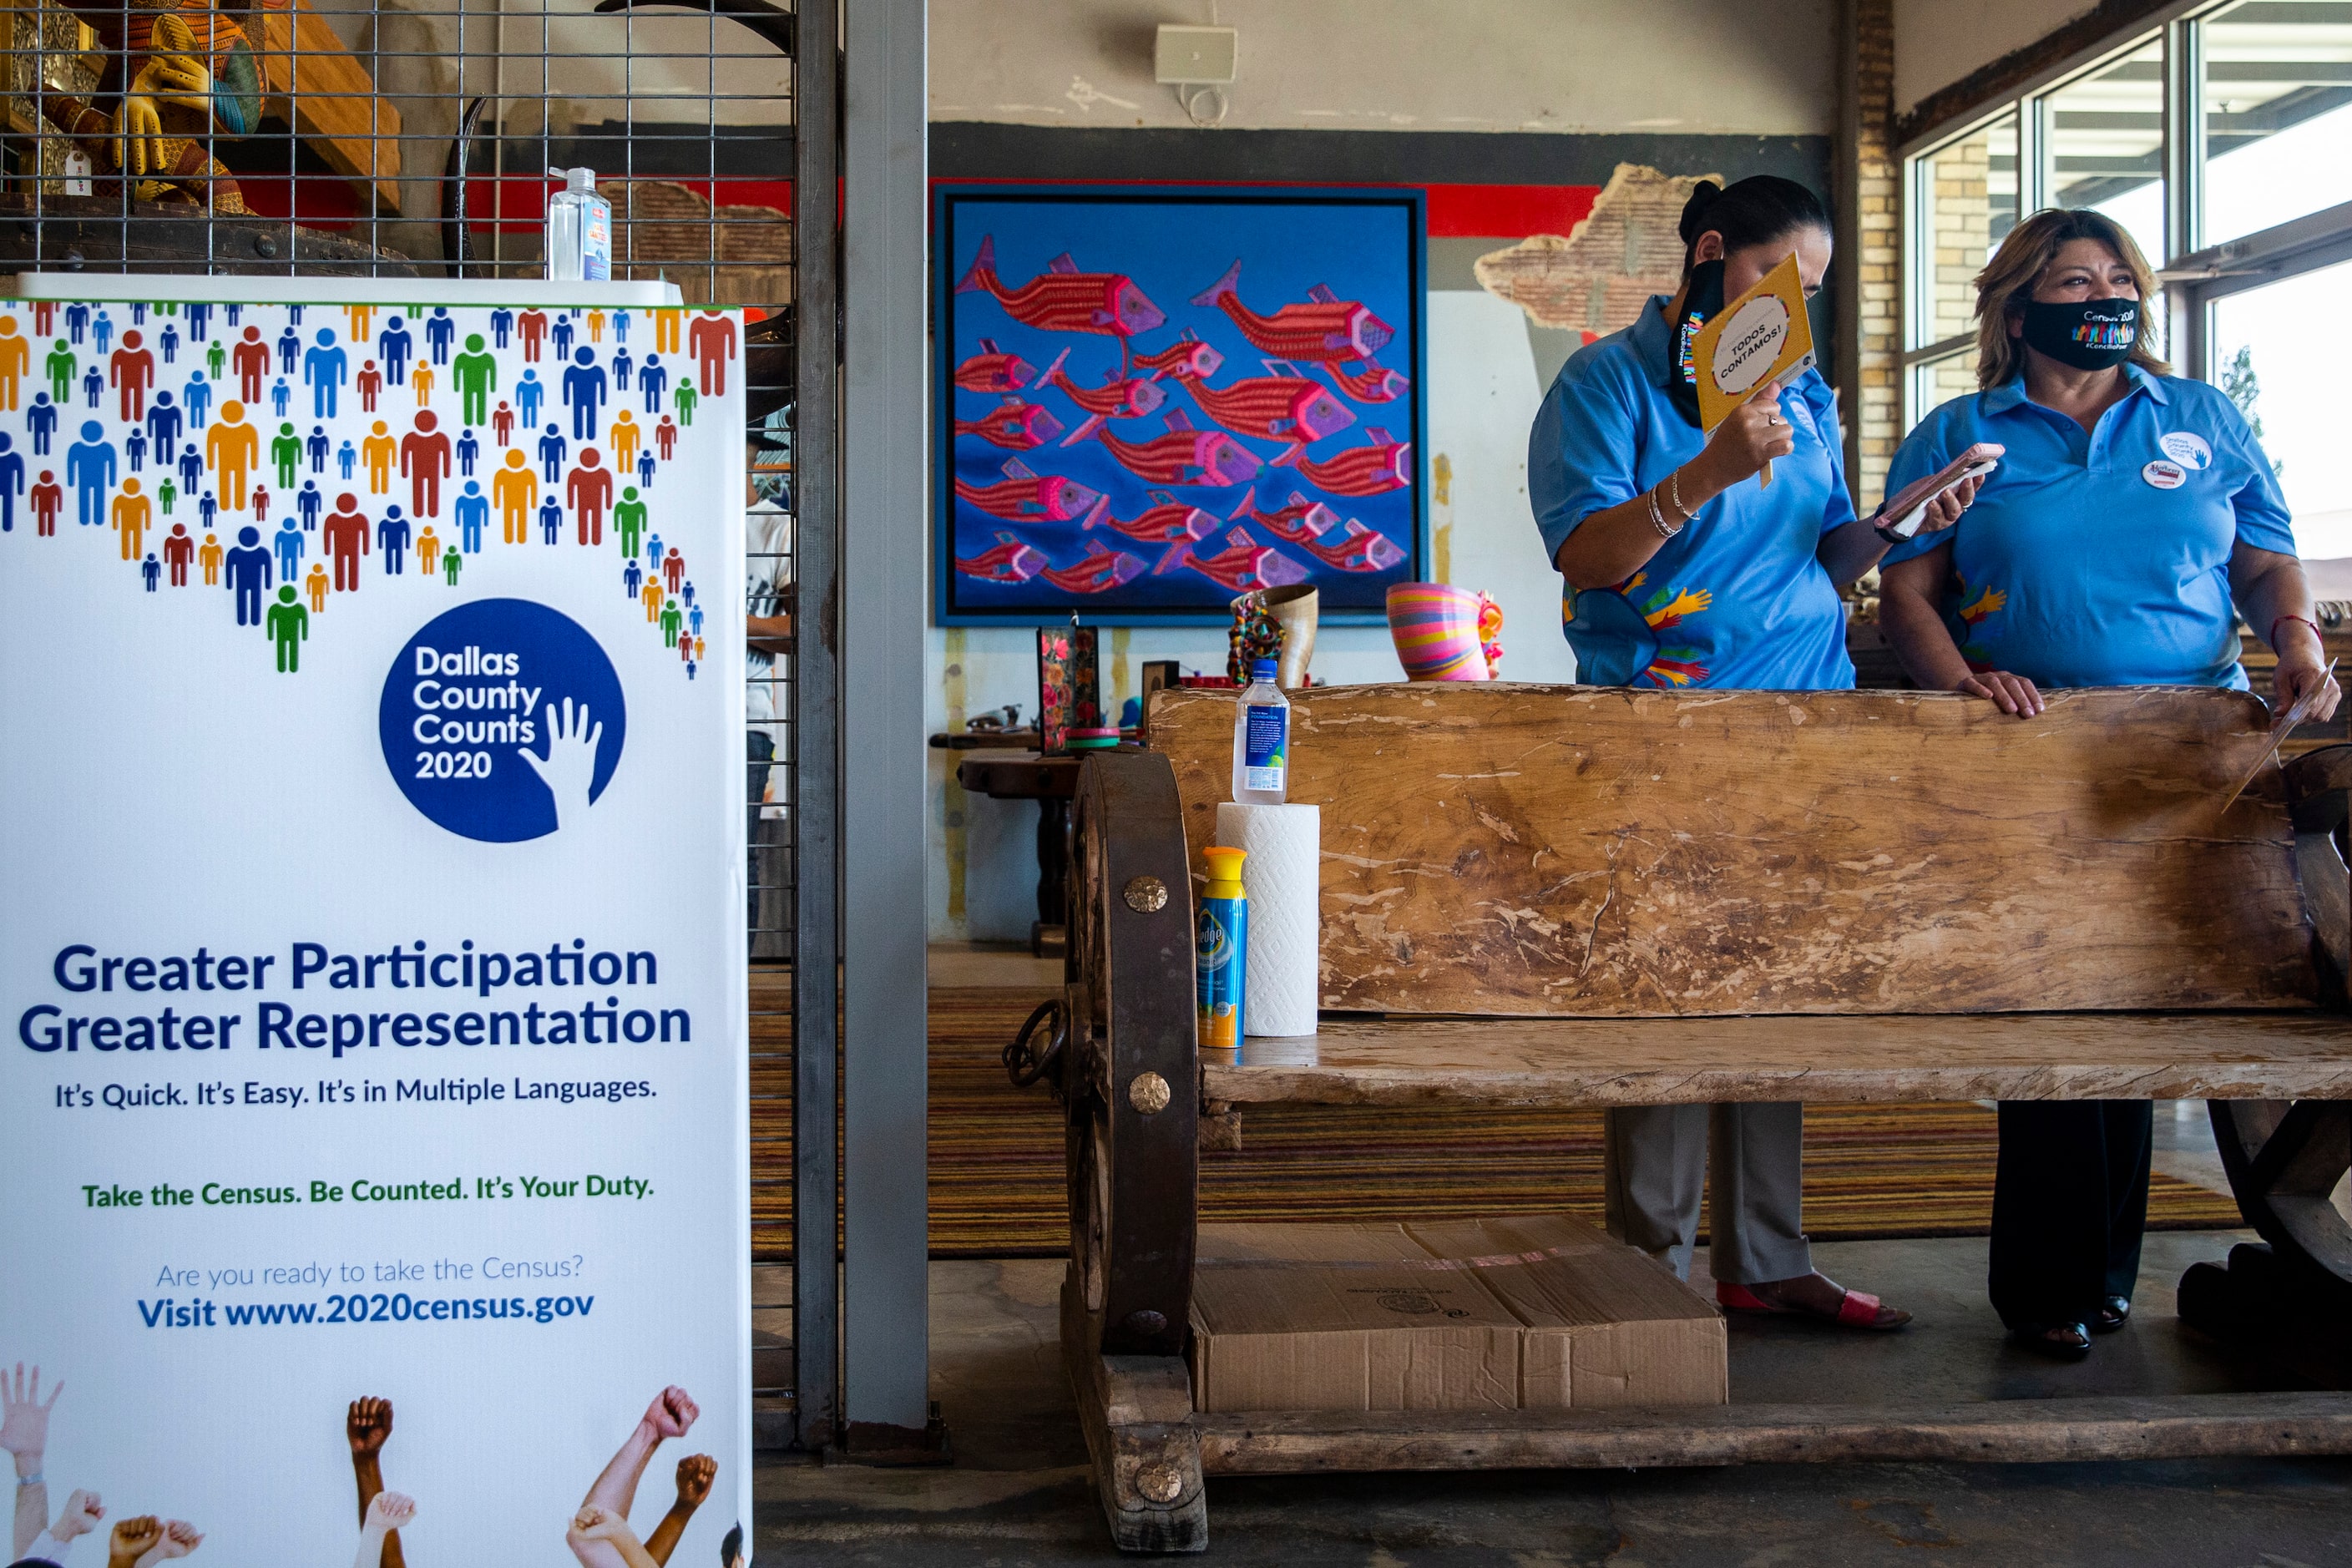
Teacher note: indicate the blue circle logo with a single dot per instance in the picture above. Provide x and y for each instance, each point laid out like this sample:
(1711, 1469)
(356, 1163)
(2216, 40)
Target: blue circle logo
(502, 721)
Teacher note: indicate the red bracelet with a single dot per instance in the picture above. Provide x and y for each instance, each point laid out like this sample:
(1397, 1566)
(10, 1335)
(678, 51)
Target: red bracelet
(2272, 639)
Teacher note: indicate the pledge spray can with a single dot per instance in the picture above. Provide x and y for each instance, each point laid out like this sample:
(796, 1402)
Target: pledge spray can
(1221, 943)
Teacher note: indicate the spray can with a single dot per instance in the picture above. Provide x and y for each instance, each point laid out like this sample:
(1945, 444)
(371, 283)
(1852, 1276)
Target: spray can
(1221, 946)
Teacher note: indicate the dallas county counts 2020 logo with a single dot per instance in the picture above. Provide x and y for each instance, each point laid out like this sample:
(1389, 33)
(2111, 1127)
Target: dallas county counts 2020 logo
(502, 720)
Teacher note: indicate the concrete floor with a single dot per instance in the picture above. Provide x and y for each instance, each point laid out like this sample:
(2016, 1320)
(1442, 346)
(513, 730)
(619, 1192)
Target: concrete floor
(1019, 1493)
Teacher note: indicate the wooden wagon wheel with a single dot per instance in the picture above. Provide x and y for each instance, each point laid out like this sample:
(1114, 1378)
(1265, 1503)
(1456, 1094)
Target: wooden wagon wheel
(1128, 1070)
(2285, 1157)
(1131, 1074)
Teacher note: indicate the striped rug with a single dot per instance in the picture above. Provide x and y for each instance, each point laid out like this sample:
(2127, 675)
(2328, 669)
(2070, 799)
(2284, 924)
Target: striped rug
(996, 1158)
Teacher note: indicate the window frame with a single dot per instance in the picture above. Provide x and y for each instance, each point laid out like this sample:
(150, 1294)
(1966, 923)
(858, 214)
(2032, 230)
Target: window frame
(2193, 276)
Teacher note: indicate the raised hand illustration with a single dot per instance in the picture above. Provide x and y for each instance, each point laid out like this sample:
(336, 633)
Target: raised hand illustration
(24, 1415)
(568, 769)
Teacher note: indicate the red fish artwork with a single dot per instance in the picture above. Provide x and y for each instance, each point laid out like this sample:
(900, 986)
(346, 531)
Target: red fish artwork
(1099, 571)
(1015, 425)
(1300, 522)
(1243, 564)
(994, 370)
(1166, 522)
(1366, 382)
(1386, 465)
(1280, 407)
(1008, 561)
(1064, 300)
(1325, 327)
(1360, 549)
(1028, 497)
(1184, 456)
(1118, 397)
(1188, 356)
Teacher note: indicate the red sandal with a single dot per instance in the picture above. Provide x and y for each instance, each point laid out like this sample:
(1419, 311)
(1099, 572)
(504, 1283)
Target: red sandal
(1855, 1308)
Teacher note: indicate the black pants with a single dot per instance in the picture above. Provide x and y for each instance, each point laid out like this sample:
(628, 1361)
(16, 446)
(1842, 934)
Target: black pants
(2069, 1206)
(760, 752)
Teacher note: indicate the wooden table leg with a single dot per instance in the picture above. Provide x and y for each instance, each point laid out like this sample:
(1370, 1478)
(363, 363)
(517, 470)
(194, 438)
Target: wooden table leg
(1047, 936)
(1138, 1415)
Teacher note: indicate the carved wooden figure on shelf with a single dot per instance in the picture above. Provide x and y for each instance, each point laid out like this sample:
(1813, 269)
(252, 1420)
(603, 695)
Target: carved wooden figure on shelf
(176, 72)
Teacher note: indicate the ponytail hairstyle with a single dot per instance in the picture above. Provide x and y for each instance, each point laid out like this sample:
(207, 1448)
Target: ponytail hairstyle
(1757, 210)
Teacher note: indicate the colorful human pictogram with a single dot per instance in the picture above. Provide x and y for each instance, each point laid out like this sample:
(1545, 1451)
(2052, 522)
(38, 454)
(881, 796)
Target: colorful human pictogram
(344, 537)
(392, 535)
(15, 359)
(515, 488)
(425, 463)
(133, 515)
(288, 625)
(143, 441)
(588, 492)
(325, 368)
(247, 569)
(711, 340)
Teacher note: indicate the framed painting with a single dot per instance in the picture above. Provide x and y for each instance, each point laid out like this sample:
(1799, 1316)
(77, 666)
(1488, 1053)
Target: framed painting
(1154, 398)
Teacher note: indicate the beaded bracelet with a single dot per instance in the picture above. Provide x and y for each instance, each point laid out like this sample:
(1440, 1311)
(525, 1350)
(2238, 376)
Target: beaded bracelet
(1657, 518)
(2272, 637)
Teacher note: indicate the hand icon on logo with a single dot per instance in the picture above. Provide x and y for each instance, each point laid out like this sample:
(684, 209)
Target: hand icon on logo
(570, 766)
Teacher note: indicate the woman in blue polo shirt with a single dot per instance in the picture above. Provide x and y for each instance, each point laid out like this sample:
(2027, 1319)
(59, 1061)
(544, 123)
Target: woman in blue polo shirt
(2133, 516)
(1683, 569)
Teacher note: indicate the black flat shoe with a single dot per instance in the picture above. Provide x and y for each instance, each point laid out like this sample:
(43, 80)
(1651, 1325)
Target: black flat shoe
(2060, 1341)
(2112, 1314)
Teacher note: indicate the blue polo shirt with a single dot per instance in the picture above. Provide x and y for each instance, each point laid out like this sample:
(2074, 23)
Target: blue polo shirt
(2101, 557)
(1736, 598)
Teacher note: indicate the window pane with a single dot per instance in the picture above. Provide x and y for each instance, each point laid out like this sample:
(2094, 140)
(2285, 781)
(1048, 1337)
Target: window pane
(2287, 380)
(1967, 191)
(1937, 382)
(2106, 145)
(2278, 113)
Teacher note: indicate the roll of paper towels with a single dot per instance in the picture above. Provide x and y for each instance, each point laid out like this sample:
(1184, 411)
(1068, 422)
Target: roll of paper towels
(1282, 877)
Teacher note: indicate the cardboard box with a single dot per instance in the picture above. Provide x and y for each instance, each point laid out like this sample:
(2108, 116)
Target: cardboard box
(1534, 1312)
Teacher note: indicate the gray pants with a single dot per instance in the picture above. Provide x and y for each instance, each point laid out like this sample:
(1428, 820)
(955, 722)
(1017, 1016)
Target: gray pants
(1655, 1162)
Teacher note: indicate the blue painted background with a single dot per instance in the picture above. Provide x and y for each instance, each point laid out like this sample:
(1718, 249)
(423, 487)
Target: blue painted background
(1363, 246)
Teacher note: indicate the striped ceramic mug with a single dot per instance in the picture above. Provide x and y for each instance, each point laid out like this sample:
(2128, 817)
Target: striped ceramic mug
(1444, 633)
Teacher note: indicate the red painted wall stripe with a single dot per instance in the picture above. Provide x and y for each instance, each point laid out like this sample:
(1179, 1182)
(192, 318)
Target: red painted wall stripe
(1507, 211)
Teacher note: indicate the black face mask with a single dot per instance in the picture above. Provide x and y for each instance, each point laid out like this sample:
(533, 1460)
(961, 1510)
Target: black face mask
(1702, 300)
(2089, 334)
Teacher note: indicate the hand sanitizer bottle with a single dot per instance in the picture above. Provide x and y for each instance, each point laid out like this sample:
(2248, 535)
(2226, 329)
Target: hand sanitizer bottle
(1262, 740)
(579, 230)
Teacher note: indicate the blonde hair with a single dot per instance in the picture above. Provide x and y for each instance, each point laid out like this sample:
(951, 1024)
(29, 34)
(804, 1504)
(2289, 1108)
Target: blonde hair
(2025, 254)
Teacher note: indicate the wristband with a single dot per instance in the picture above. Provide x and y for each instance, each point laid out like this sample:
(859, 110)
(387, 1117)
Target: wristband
(2272, 637)
(35, 1479)
(1887, 533)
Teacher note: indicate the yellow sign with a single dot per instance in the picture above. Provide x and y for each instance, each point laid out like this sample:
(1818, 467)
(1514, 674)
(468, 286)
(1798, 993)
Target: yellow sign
(1762, 336)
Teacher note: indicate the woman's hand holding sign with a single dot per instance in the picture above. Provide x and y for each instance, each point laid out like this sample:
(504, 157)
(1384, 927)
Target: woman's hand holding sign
(1750, 437)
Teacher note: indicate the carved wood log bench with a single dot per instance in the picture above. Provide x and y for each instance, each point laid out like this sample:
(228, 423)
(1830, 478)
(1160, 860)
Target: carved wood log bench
(1567, 896)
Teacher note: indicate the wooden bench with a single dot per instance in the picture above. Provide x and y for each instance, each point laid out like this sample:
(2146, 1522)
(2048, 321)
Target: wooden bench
(1565, 896)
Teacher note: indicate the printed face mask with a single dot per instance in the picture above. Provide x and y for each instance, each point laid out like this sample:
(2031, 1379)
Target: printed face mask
(1702, 300)
(2089, 334)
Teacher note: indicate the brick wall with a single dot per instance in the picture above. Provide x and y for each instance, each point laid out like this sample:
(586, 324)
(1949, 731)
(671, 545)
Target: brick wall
(1875, 406)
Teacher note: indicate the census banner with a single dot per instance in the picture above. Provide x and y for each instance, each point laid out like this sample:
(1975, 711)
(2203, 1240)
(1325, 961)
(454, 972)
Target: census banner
(373, 1122)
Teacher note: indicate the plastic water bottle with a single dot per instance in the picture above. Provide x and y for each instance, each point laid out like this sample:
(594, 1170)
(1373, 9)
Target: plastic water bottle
(1262, 740)
(579, 230)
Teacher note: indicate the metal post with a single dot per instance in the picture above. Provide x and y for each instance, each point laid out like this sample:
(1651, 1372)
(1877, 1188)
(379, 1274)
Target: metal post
(816, 733)
(886, 525)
